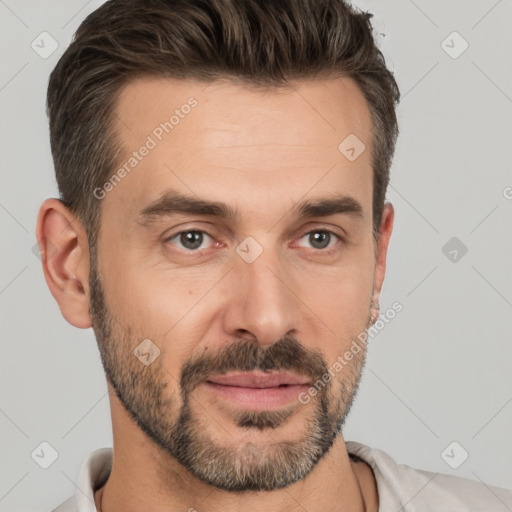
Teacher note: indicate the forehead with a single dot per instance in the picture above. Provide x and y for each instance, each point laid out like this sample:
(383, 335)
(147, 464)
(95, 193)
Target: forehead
(323, 107)
(221, 139)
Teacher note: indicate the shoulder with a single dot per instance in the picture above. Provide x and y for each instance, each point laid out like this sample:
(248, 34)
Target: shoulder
(426, 490)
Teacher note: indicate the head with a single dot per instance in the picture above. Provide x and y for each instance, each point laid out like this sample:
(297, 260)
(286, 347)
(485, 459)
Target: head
(223, 166)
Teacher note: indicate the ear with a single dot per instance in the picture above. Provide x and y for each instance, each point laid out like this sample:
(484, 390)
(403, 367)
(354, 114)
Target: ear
(385, 229)
(64, 253)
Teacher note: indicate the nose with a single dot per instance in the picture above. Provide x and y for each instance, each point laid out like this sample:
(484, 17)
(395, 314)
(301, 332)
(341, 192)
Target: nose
(262, 304)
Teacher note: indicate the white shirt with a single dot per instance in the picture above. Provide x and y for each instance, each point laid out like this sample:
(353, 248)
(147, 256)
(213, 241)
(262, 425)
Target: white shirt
(401, 488)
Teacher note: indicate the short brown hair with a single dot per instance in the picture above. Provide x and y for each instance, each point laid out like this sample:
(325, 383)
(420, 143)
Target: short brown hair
(259, 43)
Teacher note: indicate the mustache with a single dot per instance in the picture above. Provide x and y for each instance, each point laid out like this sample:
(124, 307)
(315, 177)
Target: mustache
(247, 355)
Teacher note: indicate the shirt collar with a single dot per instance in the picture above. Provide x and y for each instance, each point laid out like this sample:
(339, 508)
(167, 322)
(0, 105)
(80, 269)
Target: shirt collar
(93, 474)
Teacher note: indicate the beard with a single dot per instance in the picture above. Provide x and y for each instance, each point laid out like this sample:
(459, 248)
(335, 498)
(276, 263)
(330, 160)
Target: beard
(177, 423)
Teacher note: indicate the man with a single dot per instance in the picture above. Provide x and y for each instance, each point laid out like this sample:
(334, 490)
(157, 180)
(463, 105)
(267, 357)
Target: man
(223, 228)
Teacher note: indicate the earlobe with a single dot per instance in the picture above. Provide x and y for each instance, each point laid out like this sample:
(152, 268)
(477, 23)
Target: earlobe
(385, 230)
(65, 259)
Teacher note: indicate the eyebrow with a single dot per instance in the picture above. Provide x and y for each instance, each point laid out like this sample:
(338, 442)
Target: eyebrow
(174, 202)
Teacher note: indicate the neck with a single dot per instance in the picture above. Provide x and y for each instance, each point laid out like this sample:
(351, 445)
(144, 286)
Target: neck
(349, 485)
(145, 478)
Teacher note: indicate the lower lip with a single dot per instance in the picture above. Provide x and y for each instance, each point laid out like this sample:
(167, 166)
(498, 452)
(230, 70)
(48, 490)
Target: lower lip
(258, 398)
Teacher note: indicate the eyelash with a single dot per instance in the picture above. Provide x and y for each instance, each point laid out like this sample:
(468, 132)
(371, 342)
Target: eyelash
(326, 251)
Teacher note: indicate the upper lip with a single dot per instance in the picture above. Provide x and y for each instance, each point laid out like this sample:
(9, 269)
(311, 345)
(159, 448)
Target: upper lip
(258, 379)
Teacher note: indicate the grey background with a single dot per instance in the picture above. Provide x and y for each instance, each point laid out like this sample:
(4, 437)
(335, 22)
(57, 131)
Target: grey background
(438, 373)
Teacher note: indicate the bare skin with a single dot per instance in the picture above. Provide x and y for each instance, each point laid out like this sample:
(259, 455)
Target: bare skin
(261, 153)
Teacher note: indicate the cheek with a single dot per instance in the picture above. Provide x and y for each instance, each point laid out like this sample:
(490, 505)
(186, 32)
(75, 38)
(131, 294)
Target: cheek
(151, 305)
(343, 306)
(163, 307)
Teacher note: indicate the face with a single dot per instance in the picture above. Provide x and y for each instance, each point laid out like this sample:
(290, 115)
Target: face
(236, 265)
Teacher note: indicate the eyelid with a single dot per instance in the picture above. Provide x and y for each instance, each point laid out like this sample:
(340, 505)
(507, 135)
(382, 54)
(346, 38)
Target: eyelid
(323, 229)
(187, 229)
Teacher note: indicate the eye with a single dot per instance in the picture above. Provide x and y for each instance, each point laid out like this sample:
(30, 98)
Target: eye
(321, 239)
(191, 240)
(194, 240)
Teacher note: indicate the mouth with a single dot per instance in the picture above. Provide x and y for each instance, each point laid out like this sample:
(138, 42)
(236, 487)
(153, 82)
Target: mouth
(258, 390)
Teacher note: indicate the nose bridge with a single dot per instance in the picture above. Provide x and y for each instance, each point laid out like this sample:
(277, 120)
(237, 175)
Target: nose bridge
(263, 304)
